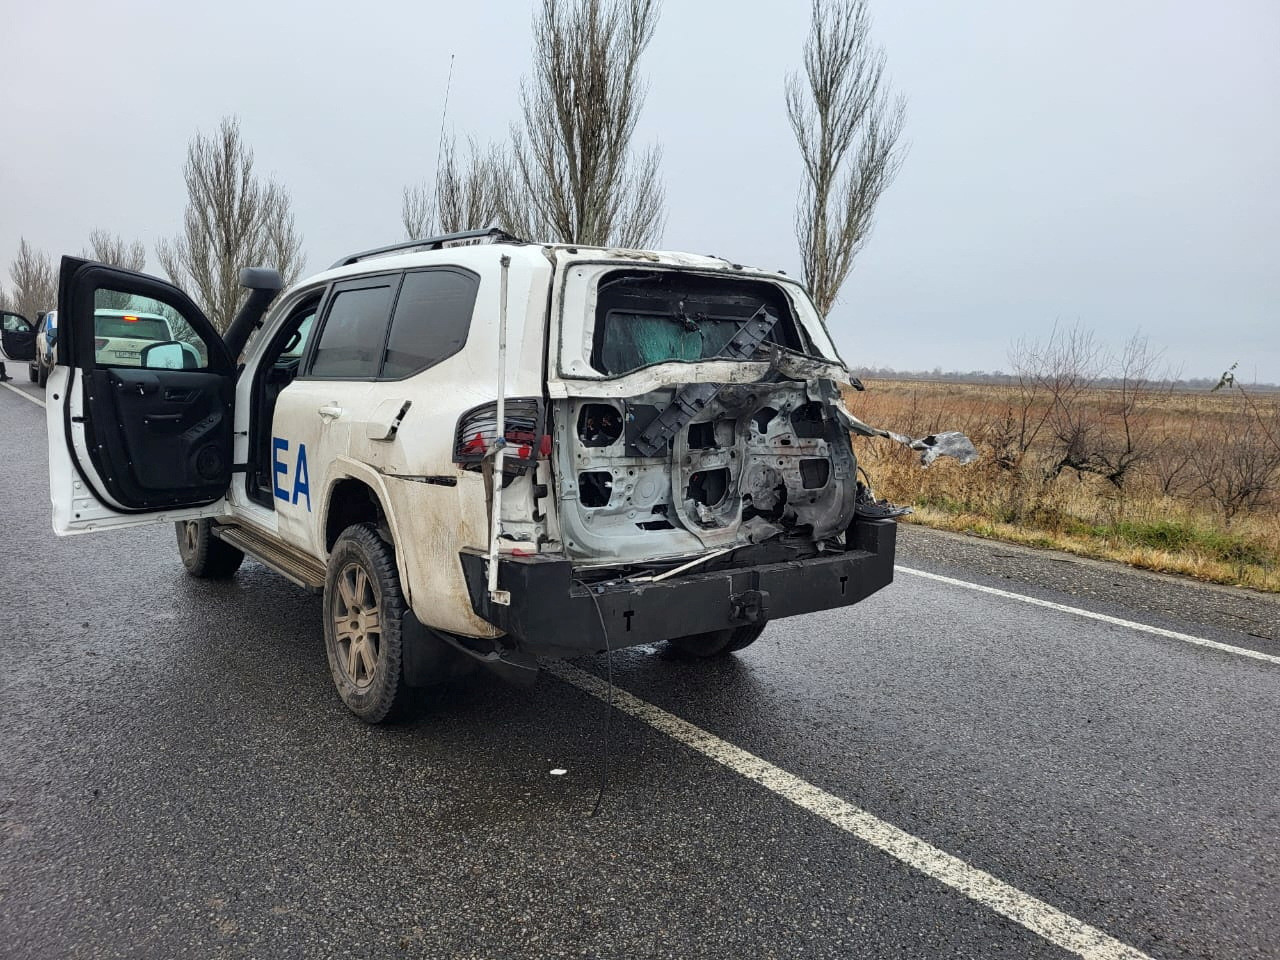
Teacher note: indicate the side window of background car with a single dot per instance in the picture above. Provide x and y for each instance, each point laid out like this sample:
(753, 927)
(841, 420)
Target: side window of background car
(355, 329)
(432, 318)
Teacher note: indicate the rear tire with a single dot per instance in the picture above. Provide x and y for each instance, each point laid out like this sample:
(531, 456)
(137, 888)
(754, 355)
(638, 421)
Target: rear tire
(33, 372)
(717, 642)
(364, 610)
(203, 554)
(42, 372)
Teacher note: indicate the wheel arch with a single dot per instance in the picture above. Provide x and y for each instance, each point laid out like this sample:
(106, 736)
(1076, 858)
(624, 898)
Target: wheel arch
(357, 494)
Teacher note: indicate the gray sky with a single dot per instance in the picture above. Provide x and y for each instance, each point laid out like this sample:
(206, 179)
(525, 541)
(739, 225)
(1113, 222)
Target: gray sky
(1116, 163)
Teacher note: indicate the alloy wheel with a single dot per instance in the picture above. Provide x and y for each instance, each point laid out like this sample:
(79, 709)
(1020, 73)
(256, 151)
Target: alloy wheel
(357, 626)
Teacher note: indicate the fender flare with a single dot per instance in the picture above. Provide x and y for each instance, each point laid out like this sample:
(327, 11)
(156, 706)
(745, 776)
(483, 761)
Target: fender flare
(345, 468)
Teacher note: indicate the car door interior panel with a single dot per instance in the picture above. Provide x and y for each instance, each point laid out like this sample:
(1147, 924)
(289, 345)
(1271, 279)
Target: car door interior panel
(160, 437)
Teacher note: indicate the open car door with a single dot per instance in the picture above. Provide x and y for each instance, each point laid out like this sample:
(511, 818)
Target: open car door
(17, 337)
(139, 403)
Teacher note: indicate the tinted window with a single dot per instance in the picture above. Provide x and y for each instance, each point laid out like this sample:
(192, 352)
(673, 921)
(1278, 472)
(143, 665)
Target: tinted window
(433, 315)
(131, 325)
(354, 330)
(648, 317)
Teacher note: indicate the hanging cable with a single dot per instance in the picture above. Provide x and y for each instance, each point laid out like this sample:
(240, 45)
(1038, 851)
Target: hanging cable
(608, 717)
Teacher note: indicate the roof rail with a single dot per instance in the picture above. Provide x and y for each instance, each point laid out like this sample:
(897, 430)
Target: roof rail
(466, 238)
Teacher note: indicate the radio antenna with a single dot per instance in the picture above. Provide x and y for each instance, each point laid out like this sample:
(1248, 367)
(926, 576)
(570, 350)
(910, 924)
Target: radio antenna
(444, 113)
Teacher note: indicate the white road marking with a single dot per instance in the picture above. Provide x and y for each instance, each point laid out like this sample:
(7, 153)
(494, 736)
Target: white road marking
(1040, 918)
(1102, 617)
(23, 393)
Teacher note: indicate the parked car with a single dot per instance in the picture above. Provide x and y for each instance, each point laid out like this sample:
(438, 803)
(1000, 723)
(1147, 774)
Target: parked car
(17, 340)
(120, 335)
(46, 344)
(482, 450)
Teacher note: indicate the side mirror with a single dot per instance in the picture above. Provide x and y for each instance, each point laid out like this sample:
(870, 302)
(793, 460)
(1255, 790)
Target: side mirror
(169, 355)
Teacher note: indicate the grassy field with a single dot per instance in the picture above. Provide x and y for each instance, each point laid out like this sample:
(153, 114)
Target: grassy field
(1181, 482)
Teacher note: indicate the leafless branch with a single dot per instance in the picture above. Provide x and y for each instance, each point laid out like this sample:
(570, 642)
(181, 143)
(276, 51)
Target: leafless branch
(573, 176)
(232, 220)
(110, 248)
(463, 197)
(848, 127)
(35, 281)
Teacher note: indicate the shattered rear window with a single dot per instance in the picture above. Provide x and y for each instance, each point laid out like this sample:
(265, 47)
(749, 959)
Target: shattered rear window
(645, 317)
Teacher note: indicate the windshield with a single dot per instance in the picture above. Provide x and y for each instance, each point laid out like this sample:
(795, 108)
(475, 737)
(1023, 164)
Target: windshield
(135, 328)
(645, 317)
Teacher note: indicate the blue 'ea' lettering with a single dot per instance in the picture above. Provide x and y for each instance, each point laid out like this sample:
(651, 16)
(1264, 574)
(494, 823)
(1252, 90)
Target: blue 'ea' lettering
(301, 478)
(280, 473)
(279, 445)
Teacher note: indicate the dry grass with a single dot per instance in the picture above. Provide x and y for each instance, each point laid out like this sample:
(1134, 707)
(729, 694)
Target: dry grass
(1183, 507)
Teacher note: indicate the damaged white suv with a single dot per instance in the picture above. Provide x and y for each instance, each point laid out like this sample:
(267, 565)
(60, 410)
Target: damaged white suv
(482, 449)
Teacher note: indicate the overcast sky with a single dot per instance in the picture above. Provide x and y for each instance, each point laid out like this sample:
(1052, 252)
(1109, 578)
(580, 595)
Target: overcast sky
(1114, 162)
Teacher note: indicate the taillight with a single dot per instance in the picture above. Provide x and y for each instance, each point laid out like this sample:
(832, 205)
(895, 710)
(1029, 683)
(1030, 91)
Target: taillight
(100, 343)
(477, 435)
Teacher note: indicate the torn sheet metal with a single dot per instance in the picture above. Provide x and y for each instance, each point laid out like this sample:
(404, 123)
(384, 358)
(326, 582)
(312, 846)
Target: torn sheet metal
(871, 508)
(949, 444)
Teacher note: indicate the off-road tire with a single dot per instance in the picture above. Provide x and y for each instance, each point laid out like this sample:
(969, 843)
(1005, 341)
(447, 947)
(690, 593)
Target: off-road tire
(362, 579)
(203, 554)
(717, 643)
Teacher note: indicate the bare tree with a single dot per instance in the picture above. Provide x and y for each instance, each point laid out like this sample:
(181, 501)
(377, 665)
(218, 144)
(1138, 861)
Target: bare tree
(1026, 410)
(848, 127)
(35, 281)
(109, 248)
(574, 177)
(462, 197)
(1104, 432)
(233, 220)
(1236, 461)
(1270, 430)
(284, 243)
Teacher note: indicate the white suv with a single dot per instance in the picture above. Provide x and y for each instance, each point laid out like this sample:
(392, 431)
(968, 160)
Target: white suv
(482, 449)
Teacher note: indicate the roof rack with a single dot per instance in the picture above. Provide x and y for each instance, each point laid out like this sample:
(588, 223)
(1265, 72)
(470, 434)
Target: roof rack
(466, 238)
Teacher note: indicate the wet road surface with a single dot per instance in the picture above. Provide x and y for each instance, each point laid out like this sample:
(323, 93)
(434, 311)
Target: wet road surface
(177, 777)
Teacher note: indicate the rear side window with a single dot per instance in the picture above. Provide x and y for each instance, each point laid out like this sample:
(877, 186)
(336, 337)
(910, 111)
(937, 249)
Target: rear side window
(355, 329)
(432, 318)
(645, 317)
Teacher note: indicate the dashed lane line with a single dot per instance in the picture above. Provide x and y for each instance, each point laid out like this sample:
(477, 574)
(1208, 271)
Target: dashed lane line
(1034, 914)
(1100, 617)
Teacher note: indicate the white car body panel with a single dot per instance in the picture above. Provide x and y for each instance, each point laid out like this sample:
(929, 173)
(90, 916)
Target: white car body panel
(80, 507)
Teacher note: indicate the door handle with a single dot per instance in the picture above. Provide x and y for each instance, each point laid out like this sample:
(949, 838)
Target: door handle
(330, 411)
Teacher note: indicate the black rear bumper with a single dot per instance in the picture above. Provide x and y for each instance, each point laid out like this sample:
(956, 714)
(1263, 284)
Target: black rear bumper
(552, 615)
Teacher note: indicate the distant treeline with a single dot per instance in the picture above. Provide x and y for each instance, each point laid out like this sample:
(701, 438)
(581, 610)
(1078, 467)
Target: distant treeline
(999, 376)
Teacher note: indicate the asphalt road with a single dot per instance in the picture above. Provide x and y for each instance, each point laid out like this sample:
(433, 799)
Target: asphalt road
(177, 777)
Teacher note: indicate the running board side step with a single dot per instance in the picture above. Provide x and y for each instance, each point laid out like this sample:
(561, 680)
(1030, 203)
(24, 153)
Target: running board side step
(294, 566)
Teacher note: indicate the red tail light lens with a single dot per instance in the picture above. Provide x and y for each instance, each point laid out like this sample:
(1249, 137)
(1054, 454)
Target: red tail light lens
(477, 435)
